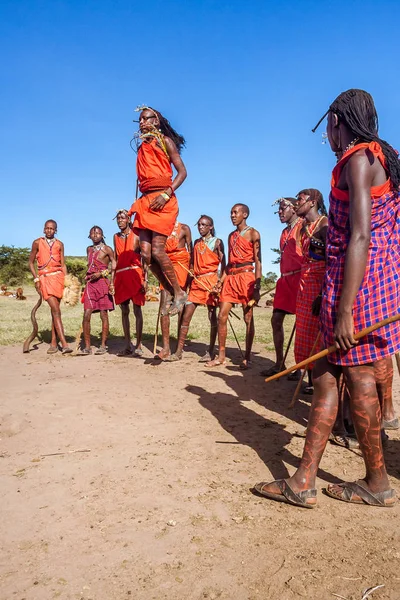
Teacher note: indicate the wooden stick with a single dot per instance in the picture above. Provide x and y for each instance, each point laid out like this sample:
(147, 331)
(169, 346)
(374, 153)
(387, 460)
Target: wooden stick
(35, 328)
(333, 348)
(157, 327)
(288, 346)
(237, 341)
(204, 286)
(298, 386)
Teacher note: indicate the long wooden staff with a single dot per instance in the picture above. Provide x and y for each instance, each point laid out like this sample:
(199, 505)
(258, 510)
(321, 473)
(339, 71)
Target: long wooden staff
(210, 292)
(333, 348)
(288, 346)
(298, 386)
(157, 327)
(397, 357)
(35, 330)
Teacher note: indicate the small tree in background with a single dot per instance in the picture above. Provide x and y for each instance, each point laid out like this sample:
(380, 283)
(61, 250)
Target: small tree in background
(270, 279)
(278, 259)
(76, 266)
(14, 269)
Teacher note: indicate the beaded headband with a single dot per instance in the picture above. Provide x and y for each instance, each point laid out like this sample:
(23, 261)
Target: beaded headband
(121, 211)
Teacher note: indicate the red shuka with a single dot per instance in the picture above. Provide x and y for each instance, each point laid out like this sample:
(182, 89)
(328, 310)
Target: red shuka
(50, 271)
(290, 267)
(238, 287)
(178, 255)
(205, 268)
(154, 172)
(129, 275)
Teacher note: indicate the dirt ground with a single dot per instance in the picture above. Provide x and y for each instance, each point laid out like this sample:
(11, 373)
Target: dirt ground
(150, 495)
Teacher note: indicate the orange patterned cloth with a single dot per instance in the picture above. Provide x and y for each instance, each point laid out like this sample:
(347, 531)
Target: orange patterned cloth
(129, 275)
(50, 271)
(154, 172)
(238, 286)
(205, 268)
(178, 255)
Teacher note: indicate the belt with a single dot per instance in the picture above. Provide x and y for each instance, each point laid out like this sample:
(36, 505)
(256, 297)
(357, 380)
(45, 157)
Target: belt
(240, 270)
(128, 268)
(238, 265)
(290, 273)
(48, 274)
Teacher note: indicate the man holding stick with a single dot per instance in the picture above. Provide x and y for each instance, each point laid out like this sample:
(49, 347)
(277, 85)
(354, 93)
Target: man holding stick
(361, 287)
(240, 282)
(291, 261)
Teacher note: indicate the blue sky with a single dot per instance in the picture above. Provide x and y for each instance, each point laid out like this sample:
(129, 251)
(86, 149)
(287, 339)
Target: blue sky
(243, 81)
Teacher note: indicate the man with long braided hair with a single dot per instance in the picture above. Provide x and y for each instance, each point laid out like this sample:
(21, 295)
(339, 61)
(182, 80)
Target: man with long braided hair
(157, 209)
(361, 287)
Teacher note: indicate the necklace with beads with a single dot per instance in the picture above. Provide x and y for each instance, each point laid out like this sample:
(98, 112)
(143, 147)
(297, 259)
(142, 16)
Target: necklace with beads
(97, 248)
(50, 242)
(348, 147)
(125, 235)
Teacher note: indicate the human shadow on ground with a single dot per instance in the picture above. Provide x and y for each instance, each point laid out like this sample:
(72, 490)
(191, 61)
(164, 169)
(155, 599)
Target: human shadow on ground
(266, 437)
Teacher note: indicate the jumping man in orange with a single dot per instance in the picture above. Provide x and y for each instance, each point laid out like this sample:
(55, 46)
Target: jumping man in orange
(128, 281)
(179, 250)
(208, 255)
(241, 281)
(49, 280)
(157, 209)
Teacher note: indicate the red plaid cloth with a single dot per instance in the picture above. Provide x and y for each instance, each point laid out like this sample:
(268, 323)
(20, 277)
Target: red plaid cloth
(378, 296)
(308, 326)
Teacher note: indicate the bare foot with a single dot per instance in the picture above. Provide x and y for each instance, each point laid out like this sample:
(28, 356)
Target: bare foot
(176, 357)
(178, 304)
(245, 364)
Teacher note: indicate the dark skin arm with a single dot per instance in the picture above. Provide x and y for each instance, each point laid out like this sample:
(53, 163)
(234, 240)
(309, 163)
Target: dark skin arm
(62, 259)
(220, 252)
(107, 254)
(159, 202)
(359, 176)
(113, 267)
(256, 239)
(224, 271)
(32, 260)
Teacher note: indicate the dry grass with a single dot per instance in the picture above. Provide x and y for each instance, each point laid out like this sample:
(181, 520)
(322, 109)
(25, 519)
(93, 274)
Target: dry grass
(15, 324)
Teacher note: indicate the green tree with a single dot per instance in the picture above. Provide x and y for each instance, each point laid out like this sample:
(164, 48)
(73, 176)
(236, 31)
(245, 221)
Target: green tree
(14, 265)
(270, 279)
(278, 259)
(77, 266)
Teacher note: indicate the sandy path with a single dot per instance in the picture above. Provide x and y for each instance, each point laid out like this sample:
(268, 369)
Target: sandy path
(160, 507)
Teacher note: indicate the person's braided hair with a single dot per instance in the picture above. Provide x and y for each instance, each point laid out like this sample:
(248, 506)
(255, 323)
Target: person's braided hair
(315, 196)
(167, 129)
(356, 109)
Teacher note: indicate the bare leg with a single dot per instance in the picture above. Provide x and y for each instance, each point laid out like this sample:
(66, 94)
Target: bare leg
(137, 310)
(54, 304)
(146, 236)
(161, 257)
(384, 384)
(126, 325)
(224, 310)
(86, 327)
(278, 335)
(249, 320)
(165, 323)
(322, 417)
(53, 342)
(187, 315)
(105, 327)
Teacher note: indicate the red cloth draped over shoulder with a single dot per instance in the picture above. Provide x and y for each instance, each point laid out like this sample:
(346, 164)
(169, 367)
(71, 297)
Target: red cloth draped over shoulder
(50, 271)
(290, 266)
(205, 268)
(378, 295)
(154, 172)
(238, 286)
(96, 295)
(129, 275)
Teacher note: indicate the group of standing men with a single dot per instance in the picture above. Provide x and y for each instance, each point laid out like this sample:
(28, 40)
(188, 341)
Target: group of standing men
(357, 287)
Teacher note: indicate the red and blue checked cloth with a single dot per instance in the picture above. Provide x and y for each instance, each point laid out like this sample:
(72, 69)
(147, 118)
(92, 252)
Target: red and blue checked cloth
(378, 296)
(311, 279)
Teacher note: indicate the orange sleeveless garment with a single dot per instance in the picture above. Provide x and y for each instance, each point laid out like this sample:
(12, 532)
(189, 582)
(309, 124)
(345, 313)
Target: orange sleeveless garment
(238, 287)
(154, 172)
(50, 271)
(178, 255)
(129, 275)
(205, 268)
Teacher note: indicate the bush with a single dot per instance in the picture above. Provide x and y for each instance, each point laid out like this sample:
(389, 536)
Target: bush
(14, 265)
(76, 266)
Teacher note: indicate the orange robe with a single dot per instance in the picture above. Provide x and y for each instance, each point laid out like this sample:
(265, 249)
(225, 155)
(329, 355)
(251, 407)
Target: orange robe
(291, 262)
(50, 271)
(238, 286)
(154, 172)
(129, 275)
(205, 268)
(178, 255)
